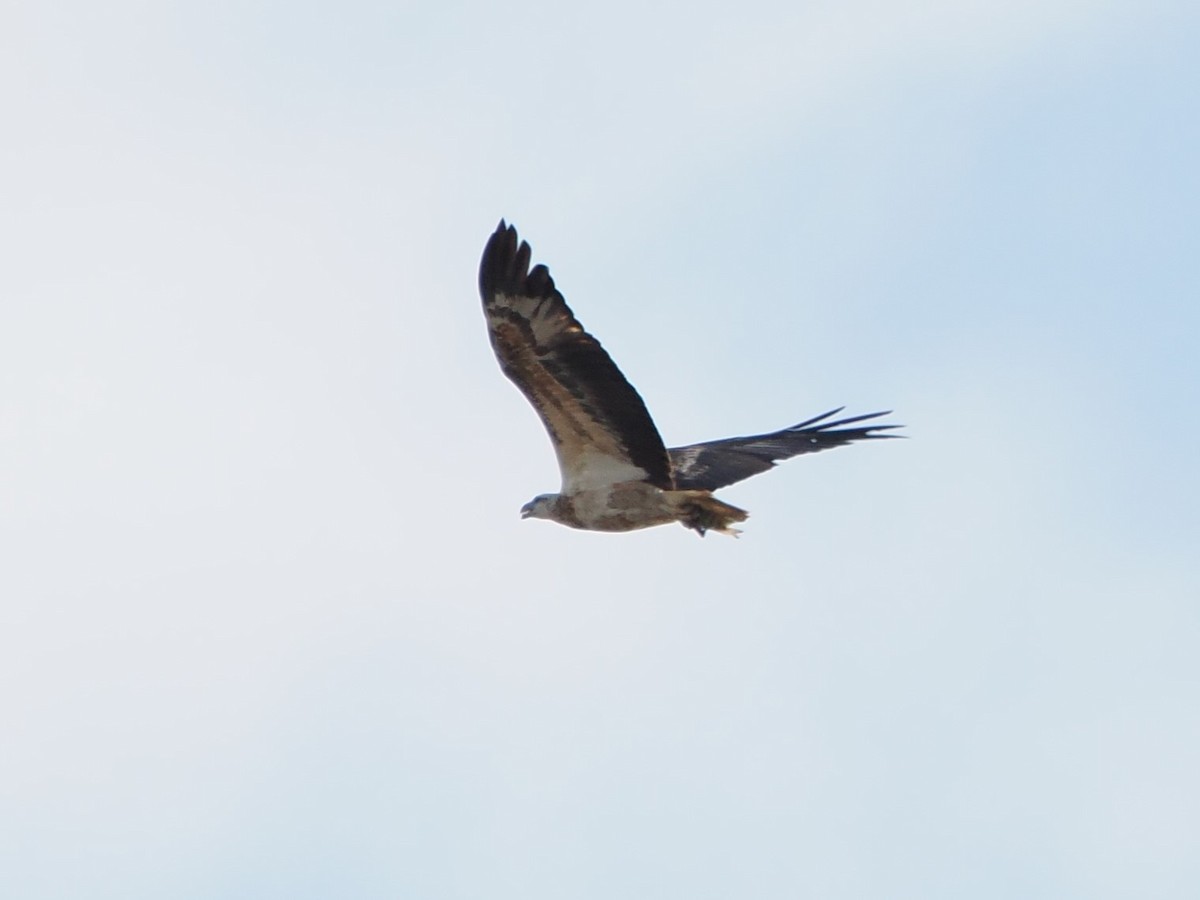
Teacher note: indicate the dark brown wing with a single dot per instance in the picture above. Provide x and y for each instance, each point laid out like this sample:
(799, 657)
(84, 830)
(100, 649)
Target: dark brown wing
(599, 425)
(714, 464)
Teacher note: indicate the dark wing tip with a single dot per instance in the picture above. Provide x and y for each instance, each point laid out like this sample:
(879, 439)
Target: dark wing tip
(504, 268)
(538, 283)
(823, 425)
(820, 426)
(498, 265)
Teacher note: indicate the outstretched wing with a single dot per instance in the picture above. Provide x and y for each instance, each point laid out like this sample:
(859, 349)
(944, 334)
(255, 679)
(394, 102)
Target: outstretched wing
(714, 464)
(599, 425)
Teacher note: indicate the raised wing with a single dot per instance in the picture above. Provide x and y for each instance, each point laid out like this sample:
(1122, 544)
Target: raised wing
(714, 464)
(598, 424)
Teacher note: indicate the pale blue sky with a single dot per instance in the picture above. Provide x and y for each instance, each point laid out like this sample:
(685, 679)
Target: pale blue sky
(271, 626)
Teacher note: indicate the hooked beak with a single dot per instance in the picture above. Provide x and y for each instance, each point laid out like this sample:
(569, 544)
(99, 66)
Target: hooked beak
(526, 510)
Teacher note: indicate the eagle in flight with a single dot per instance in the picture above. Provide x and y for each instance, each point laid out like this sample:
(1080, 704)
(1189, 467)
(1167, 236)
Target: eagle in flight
(617, 475)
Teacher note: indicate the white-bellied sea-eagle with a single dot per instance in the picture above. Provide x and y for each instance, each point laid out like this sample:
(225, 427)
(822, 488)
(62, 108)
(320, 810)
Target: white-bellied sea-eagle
(617, 475)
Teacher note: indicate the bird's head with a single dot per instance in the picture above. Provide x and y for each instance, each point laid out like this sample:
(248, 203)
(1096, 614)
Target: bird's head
(540, 507)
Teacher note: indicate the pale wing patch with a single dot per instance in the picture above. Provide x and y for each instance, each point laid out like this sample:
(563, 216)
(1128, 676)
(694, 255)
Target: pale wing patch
(543, 317)
(591, 469)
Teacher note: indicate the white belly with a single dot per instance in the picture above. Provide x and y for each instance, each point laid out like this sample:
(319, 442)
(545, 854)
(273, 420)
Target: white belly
(621, 507)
